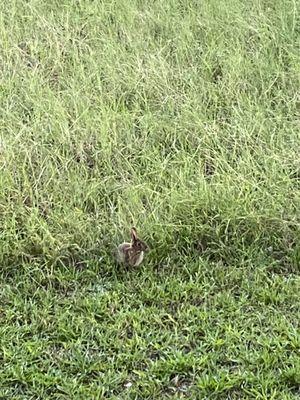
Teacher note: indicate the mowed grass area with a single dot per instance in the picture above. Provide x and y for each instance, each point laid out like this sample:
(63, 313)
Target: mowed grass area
(181, 117)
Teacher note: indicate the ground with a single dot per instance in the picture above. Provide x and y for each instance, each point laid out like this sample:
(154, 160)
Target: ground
(182, 118)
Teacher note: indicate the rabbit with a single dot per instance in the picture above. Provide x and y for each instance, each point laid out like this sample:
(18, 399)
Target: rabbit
(132, 253)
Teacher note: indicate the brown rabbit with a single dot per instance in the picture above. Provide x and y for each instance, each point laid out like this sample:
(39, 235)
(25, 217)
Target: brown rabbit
(132, 253)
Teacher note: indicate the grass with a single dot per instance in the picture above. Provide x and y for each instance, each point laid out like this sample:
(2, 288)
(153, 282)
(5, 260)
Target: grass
(180, 117)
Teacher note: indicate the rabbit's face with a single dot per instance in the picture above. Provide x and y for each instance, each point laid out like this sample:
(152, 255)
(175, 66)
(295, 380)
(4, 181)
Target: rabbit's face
(140, 245)
(137, 243)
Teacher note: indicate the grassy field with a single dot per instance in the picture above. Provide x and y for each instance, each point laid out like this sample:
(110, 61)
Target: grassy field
(181, 117)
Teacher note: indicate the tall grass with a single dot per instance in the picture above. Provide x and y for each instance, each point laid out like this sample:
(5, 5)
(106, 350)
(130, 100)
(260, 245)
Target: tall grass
(180, 117)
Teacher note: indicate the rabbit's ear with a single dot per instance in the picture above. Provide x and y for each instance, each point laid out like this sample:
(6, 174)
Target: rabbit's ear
(133, 234)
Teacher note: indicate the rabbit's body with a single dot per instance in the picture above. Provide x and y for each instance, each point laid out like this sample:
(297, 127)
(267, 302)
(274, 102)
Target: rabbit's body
(132, 253)
(128, 255)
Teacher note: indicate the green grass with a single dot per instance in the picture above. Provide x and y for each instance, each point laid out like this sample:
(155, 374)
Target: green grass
(181, 117)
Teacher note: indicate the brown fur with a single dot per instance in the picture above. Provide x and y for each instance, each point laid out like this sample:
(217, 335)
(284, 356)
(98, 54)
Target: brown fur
(132, 253)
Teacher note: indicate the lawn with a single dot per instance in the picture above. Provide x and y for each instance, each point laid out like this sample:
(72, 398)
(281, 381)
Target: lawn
(180, 117)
